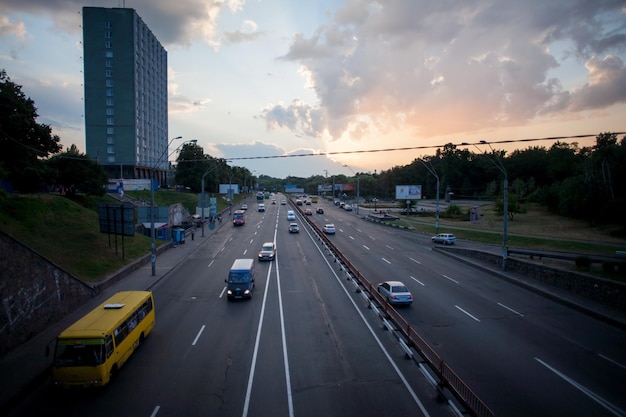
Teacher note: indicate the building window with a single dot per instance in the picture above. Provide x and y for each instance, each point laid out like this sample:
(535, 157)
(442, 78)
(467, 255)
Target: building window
(110, 121)
(108, 73)
(109, 92)
(107, 34)
(110, 131)
(108, 54)
(110, 140)
(111, 150)
(110, 111)
(108, 44)
(109, 83)
(110, 102)
(107, 25)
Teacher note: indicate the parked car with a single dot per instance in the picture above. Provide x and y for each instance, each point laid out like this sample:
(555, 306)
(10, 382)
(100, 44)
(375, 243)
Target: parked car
(347, 207)
(293, 228)
(445, 238)
(329, 229)
(319, 210)
(267, 252)
(395, 292)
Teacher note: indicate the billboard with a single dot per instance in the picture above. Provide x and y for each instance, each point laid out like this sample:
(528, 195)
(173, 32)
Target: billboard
(229, 188)
(408, 192)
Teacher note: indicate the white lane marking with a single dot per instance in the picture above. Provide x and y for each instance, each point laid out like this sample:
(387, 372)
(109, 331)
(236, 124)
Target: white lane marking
(198, 335)
(211, 263)
(511, 310)
(389, 247)
(251, 240)
(222, 250)
(467, 313)
(417, 280)
(366, 247)
(386, 261)
(255, 353)
(453, 280)
(612, 361)
(156, 410)
(358, 230)
(372, 237)
(613, 409)
(223, 291)
(284, 342)
(415, 260)
(245, 251)
(351, 237)
(375, 336)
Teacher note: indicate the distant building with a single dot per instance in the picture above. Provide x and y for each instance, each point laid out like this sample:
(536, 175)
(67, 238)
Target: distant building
(125, 70)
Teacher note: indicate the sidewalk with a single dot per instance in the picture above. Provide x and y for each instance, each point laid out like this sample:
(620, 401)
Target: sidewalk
(27, 365)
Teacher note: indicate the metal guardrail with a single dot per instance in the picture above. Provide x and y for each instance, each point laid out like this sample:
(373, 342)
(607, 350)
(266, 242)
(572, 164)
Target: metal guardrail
(448, 378)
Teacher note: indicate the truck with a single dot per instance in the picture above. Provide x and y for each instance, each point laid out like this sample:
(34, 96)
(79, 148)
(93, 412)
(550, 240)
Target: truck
(240, 281)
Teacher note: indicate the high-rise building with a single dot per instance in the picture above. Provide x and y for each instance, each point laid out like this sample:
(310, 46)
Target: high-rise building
(125, 70)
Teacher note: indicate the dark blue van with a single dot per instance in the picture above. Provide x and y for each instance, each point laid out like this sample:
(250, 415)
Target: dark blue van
(240, 282)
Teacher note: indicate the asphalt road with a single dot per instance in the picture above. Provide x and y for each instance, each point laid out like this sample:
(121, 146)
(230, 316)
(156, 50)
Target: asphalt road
(522, 353)
(305, 344)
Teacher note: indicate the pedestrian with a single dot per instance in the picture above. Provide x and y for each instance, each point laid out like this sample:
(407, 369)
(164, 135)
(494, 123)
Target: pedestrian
(193, 232)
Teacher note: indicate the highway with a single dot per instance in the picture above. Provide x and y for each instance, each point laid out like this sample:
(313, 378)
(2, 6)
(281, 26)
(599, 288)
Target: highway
(307, 344)
(521, 353)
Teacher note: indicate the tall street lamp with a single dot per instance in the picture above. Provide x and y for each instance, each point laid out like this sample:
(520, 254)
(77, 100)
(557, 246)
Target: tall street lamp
(203, 199)
(152, 232)
(505, 196)
(430, 169)
(358, 189)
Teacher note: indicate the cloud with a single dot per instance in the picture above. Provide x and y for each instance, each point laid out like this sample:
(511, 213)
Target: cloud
(606, 86)
(446, 67)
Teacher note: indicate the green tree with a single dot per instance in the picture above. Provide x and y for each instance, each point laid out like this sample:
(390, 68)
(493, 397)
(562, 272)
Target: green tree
(75, 172)
(24, 142)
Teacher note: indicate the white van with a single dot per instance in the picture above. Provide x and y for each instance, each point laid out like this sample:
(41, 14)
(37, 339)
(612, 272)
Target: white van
(291, 215)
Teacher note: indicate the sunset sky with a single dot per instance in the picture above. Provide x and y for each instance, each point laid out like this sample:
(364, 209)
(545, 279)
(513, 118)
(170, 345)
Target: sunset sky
(267, 78)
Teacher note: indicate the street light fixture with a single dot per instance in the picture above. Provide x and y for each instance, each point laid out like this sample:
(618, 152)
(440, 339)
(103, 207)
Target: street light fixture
(203, 199)
(358, 192)
(152, 232)
(505, 196)
(430, 169)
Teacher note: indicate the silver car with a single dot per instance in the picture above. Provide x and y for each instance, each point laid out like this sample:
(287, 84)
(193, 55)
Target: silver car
(267, 252)
(445, 238)
(395, 292)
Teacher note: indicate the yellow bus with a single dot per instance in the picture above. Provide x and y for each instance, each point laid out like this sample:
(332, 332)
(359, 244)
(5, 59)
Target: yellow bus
(94, 348)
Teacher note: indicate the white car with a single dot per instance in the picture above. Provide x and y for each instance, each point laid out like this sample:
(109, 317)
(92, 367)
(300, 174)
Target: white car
(261, 207)
(329, 229)
(445, 238)
(395, 292)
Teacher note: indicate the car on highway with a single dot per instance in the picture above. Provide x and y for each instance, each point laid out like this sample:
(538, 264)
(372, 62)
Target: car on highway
(244, 207)
(283, 202)
(445, 238)
(267, 252)
(261, 207)
(291, 215)
(319, 210)
(395, 292)
(347, 207)
(293, 228)
(308, 212)
(329, 229)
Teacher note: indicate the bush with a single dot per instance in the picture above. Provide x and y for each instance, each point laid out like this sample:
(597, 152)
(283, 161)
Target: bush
(582, 261)
(608, 266)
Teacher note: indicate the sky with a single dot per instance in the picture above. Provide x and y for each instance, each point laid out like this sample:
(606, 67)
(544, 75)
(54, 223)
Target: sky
(355, 85)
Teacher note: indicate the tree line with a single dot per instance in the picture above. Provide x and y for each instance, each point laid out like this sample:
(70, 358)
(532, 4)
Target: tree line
(580, 182)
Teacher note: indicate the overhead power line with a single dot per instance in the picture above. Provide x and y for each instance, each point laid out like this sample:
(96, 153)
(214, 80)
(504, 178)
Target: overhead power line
(412, 148)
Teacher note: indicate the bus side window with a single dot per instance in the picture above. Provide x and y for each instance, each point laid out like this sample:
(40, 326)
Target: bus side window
(108, 345)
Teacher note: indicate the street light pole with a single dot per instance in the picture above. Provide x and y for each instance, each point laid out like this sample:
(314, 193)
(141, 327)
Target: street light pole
(203, 200)
(505, 195)
(152, 232)
(430, 169)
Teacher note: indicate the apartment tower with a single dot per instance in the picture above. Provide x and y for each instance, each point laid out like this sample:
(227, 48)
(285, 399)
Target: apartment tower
(125, 72)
